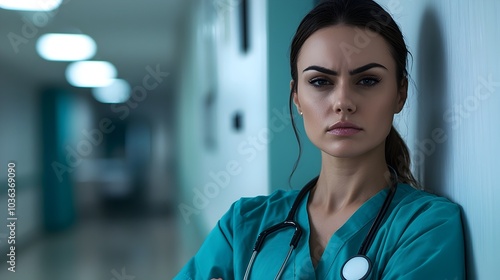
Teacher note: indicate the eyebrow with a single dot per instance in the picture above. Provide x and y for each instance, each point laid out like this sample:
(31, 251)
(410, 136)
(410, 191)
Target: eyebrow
(351, 72)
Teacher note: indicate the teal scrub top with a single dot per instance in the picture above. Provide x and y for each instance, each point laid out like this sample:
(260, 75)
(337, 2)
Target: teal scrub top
(420, 238)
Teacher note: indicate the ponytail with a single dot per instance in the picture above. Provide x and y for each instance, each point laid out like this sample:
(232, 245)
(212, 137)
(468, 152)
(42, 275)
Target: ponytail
(398, 156)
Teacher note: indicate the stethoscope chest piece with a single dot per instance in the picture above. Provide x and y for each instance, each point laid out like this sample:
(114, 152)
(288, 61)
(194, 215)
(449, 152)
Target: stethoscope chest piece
(356, 268)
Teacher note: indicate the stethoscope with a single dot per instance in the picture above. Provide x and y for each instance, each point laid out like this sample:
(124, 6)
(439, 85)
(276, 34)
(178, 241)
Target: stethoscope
(357, 267)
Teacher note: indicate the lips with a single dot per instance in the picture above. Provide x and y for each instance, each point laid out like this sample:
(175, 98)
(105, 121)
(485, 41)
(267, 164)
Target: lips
(344, 129)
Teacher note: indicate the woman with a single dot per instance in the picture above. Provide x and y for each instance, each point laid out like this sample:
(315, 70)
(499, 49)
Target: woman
(349, 78)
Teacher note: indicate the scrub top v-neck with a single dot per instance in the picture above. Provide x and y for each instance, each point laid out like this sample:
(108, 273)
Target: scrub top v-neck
(337, 250)
(420, 238)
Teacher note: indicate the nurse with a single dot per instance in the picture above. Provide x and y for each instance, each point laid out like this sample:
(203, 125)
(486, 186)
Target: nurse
(349, 78)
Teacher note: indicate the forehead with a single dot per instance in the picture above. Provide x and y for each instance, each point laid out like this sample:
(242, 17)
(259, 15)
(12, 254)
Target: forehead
(342, 47)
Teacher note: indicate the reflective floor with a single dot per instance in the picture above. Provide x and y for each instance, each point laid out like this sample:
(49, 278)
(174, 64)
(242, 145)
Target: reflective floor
(107, 249)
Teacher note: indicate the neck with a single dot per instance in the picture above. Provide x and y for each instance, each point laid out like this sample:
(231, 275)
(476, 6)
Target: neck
(346, 182)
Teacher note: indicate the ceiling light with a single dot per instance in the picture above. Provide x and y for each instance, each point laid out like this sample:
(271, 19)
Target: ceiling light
(30, 5)
(116, 92)
(65, 47)
(90, 73)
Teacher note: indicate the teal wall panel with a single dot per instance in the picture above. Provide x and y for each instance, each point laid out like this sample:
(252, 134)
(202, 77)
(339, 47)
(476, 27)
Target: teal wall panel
(57, 184)
(283, 20)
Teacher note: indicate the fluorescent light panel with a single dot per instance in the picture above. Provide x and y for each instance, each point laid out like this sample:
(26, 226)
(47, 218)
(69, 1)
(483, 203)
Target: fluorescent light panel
(116, 92)
(66, 47)
(90, 73)
(30, 5)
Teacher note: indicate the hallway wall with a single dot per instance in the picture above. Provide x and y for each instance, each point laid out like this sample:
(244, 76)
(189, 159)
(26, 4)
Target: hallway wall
(20, 132)
(222, 114)
(451, 118)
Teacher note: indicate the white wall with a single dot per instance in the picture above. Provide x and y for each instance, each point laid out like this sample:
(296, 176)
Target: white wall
(234, 165)
(456, 71)
(241, 87)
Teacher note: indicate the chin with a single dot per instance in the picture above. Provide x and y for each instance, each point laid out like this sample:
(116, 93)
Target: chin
(348, 151)
(344, 152)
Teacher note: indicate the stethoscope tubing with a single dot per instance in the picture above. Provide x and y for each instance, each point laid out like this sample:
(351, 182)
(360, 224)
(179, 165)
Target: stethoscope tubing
(378, 221)
(291, 222)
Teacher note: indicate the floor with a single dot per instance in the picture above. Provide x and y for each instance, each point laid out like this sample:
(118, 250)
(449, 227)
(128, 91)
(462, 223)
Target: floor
(103, 249)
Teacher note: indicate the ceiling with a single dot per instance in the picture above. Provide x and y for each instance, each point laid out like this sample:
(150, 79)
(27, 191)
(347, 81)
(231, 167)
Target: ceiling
(129, 34)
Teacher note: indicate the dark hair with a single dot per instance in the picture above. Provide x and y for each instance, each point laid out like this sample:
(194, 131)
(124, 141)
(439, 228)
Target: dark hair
(365, 14)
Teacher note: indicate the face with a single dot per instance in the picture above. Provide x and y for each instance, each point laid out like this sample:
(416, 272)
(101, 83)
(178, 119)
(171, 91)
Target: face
(347, 91)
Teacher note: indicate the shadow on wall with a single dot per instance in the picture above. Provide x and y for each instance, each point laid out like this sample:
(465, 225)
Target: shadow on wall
(432, 99)
(433, 149)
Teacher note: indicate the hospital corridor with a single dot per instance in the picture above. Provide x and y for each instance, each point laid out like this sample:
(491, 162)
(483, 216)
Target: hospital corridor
(130, 129)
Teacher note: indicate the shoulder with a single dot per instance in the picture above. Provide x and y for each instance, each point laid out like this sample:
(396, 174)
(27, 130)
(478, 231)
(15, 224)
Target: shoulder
(424, 238)
(250, 214)
(420, 211)
(277, 201)
(419, 201)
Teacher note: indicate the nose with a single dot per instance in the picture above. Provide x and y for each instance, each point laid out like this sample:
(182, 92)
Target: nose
(343, 103)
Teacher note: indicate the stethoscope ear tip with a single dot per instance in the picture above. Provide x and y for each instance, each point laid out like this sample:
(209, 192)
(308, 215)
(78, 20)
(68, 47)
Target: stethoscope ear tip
(356, 268)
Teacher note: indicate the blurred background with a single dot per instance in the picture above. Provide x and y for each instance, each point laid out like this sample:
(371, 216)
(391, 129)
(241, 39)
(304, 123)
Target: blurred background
(135, 131)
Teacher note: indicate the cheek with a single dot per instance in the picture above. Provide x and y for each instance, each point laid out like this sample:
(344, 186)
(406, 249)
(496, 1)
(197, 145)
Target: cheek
(311, 101)
(381, 115)
(385, 101)
(315, 111)
(315, 114)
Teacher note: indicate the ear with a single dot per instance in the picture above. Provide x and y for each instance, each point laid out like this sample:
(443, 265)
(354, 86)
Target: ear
(402, 95)
(295, 95)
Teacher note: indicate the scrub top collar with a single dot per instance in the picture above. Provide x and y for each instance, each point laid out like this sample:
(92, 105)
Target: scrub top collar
(361, 219)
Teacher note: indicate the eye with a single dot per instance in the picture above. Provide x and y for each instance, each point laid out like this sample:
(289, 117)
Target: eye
(319, 82)
(369, 82)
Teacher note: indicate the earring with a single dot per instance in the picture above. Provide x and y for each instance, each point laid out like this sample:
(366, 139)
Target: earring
(300, 113)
